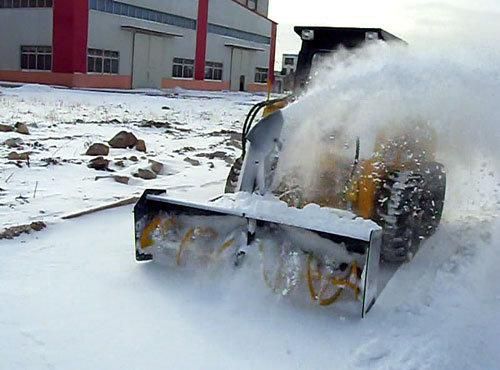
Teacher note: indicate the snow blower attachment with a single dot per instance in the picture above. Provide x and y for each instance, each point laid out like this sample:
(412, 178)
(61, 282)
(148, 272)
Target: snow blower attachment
(333, 235)
(300, 250)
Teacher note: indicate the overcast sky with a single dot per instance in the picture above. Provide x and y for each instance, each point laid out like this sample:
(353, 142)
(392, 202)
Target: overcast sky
(418, 22)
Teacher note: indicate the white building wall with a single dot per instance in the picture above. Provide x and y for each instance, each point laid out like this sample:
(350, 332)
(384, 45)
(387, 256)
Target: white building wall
(105, 32)
(23, 26)
(217, 51)
(230, 14)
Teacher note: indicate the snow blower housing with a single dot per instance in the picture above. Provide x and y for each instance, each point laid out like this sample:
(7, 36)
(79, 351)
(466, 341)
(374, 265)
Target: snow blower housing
(288, 241)
(326, 242)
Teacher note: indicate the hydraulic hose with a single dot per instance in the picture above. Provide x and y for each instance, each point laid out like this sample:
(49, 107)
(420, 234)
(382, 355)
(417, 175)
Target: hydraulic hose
(356, 158)
(251, 117)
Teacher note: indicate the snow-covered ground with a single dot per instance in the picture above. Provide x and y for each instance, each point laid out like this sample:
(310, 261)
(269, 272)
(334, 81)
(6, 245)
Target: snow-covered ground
(64, 123)
(73, 297)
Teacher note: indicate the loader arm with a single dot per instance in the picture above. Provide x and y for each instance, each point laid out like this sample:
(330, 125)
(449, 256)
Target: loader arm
(263, 141)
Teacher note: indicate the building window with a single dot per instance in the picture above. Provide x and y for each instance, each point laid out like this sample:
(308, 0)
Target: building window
(103, 61)
(213, 71)
(133, 11)
(252, 4)
(289, 61)
(183, 68)
(128, 10)
(238, 34)
(25, 3)
(261, 75)
(36, 58)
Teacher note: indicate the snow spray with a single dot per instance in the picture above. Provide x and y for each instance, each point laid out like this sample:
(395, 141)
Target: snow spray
(359, 92)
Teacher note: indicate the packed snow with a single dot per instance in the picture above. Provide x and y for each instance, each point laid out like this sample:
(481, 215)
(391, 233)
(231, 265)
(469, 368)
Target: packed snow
(74, 297)
(312, 216)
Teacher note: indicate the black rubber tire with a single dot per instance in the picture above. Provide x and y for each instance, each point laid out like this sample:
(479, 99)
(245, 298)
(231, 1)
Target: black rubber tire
(233, 177)
(409, 209)
(433, 197)
(399, 214)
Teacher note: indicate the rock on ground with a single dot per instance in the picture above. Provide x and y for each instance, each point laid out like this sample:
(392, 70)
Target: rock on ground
(15, 156)
(156, 167)
(193, 162)
(6, 128)
(217, 155)
(98, 149)
(123, 140)
(156, 124)
(140, 146)
(13, 142)
(22, 128)
(99, 163)
(121, 179)
(145, 174)
(13, 232)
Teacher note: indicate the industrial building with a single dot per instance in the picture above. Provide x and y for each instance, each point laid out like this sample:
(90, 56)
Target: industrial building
(284, 79)
(192, 44)
(289, 64)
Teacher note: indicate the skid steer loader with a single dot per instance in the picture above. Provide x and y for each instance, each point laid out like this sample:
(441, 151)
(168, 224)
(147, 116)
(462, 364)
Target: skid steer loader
(335, 238)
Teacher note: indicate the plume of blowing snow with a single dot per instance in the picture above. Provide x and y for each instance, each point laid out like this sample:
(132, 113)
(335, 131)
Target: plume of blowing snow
(382, 85)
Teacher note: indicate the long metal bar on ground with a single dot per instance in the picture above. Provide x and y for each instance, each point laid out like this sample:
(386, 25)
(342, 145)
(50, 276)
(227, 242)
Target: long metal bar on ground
(121, 203)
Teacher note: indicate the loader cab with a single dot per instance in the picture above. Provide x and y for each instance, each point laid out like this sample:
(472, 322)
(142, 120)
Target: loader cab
(319, 42)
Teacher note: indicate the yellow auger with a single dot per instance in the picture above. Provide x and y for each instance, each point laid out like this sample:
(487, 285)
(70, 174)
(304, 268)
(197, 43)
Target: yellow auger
(146, 239)
(350, 281)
